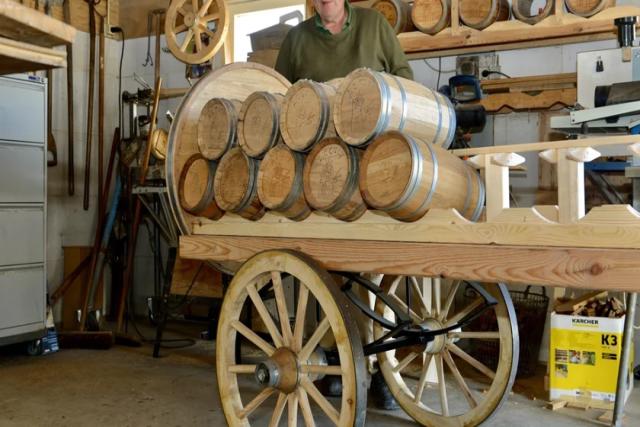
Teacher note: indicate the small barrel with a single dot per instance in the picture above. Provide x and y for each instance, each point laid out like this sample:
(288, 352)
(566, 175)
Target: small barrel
(235, 186)
(306, 115)
(369, 103)
(195, 188)
(259, 123)
(331, 180)
(217, 127)
(479, 14)
(280, 183)
(396, 12)
(588, 8)
(406, 177)
(431, 16)
(531, 11)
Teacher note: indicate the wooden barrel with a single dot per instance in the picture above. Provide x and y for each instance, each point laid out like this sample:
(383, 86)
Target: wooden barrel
(369, 102)
(479, 14)
(195, 188)
(431, 16)
(331, 180)
(235, 186)
(259, 123)
(217, 127)
(396, 12)
(588, 8)
(306, 115)
(405, 177)
(522, 9)
(280, 183)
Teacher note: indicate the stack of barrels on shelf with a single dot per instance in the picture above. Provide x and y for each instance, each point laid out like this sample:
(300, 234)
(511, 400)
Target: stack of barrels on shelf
(433, 16)
(370, 140)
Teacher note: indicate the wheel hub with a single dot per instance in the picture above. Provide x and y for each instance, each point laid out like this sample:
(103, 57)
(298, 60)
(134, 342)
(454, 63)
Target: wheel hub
(280, 371)
(190, 20)
(437, 344)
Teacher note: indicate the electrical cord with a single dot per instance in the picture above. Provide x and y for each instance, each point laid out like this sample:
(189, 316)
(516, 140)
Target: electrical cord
(486, 73)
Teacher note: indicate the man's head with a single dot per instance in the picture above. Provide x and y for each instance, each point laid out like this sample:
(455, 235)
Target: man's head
(329, 10)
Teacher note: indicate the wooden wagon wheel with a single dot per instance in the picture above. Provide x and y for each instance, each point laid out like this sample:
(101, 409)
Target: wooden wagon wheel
(205, 22)
(291, 358)
(453, 400)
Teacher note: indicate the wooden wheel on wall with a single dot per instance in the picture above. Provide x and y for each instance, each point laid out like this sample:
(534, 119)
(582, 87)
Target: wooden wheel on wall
(202, 24)
(292, 357)
(471, 391)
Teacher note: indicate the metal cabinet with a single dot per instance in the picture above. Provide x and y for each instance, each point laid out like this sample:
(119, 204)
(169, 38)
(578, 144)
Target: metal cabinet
(23, 178)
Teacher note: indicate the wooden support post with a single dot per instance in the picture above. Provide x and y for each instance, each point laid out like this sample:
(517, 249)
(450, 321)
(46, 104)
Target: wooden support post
(455, 17)
(496, 176)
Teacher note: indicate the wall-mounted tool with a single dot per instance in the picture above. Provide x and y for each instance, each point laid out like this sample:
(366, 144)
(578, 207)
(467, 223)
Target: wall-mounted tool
(71, 183)
(92, 73)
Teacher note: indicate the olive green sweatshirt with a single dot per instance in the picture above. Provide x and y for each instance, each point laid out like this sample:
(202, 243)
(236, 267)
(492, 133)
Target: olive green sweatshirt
(311, 52)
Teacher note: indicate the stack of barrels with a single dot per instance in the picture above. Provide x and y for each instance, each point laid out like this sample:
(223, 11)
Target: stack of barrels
(370, 140)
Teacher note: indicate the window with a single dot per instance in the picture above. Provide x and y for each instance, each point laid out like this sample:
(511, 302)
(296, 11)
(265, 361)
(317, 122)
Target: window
(250, 22)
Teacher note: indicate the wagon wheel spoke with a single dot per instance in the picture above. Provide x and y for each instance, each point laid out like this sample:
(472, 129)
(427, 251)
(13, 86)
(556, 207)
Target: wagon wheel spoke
(255, 403)
(209, 18)
(321, 369)
(459, 379)
(207, 31)
(490, 335)
(278, 410)
(437, 286)
(253, 337)
(182, 11)
(198, 39)
(481, 367)
(194, 6)
(305, 408)
(422, 382)
(414, 316)
(187, 39)
(301, 312)
(313, 342)
(205, 7)
(322, 402)
(242, 369)
(425, 305)
(449, 301)
(180, 28)
(293, 410)
(281, 304)
(264, 315)
(442, 386)
(465, 311)
(405, 362)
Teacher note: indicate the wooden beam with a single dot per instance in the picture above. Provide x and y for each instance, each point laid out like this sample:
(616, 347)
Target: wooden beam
(18, 57)
(570, 267)
(27, 25)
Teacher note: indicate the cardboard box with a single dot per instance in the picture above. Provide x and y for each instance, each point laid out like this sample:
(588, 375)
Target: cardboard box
(584, 358)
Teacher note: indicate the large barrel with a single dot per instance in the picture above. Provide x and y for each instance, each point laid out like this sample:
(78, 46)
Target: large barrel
(259, 123)
(396, 12)
(235, 186)
(406, 177)
(523, 10)
(588, 8)
(306, 114)
(369, 103)
(479, 14)
(331, 180)
(280, 183)
(217, 127)
(431, 16)
(195, 188)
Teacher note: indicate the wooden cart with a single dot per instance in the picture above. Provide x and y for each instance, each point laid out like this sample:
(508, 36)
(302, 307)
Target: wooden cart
(416, 325)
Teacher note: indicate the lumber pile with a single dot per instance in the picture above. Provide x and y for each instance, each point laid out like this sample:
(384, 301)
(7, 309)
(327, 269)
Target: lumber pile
(592, 304)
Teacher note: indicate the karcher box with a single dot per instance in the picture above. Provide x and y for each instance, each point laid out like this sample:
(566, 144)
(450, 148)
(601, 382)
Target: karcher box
(584, 359)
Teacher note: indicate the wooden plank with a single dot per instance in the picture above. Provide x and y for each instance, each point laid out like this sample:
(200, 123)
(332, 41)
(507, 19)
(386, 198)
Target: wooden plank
(516, 101)
(444, 226)
(529, 83)
(24, 24)
(189, 278)
(541, 146)
(569, 267)
(18, 57)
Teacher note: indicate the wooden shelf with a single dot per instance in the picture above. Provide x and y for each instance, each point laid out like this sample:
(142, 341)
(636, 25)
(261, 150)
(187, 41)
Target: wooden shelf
(561, 28)
(18, 57)
(27, 25)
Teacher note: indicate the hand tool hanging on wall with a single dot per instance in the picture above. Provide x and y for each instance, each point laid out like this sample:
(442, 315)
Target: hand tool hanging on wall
(51, 141)
(131, 247)
(92, 72)
(101, 66)
(70, 127)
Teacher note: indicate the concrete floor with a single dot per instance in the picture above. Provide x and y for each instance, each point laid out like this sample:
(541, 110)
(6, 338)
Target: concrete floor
(126, 387)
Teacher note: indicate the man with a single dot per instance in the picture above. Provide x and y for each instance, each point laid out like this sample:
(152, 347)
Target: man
(339, 39)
